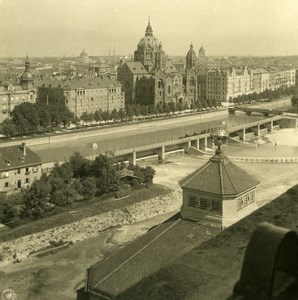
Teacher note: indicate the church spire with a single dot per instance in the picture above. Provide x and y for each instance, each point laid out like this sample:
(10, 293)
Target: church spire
(149, 30)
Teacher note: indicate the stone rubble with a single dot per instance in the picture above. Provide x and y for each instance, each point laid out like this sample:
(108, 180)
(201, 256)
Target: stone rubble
(23, 247)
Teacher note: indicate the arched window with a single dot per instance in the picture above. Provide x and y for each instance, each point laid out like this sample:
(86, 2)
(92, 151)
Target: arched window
(160, 83)
(192, 81)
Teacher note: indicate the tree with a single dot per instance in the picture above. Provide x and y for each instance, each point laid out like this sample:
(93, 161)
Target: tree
(89, 187)
(122, 114)
(66, 116)
(84, 117)
(80, 165)
(98, 116)
(65, 171)
(25, 117)
(35, 199)
(294, 101)
(114, 115)
(105, 173)
(10, 213)
(9, 128)
(106, 116)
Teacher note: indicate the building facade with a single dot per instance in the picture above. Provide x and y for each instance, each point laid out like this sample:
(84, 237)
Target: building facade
(83, 95)
(14, 94)
(19, 167)
(151, 78)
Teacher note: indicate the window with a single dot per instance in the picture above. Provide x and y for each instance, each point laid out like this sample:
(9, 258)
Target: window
(6, 184)
(27, 180)
(192, 201)
(204, 204)
(215, 205)
(35, 169)
(19, 171)
(169, 89)
(27, 170)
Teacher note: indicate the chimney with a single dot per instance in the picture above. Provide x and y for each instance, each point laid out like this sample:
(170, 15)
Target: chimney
(24, 148)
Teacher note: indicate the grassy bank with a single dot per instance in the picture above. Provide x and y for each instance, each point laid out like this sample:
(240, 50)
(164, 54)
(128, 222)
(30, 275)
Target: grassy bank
(81, 210)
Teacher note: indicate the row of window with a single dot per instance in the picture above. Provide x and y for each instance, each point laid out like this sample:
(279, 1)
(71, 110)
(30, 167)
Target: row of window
(245, 200)
(19, 171)
(19, 182)
(206, 204)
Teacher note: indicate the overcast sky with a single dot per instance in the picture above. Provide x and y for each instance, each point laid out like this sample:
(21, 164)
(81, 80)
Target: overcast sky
(223, 27)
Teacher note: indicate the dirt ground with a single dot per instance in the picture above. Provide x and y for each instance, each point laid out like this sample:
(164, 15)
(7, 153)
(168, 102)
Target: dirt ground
(58, 275)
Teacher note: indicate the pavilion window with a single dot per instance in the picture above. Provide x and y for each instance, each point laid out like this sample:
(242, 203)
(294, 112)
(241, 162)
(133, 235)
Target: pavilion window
(192, 201)
(215, 205)
(204, 204)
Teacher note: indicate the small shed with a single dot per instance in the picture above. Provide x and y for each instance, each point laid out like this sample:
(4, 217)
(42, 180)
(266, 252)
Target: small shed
(219, 193)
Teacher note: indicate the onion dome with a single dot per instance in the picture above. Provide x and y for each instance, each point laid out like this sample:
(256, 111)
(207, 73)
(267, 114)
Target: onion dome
(191, 58)
(26, 76)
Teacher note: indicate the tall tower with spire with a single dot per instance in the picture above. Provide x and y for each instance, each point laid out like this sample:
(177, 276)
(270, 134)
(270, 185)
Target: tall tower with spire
(147, 48)
(27, 78)
(191, 80)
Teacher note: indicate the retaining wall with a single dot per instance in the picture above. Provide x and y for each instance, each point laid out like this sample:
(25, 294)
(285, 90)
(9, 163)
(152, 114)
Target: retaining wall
(77, 231)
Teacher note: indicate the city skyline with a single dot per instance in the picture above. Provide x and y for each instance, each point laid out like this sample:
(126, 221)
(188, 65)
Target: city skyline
(55, 28)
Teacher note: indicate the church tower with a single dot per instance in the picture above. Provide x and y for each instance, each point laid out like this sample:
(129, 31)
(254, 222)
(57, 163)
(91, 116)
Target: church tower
(147, 48)
(160, 59)
(27, 78)
(191, 80)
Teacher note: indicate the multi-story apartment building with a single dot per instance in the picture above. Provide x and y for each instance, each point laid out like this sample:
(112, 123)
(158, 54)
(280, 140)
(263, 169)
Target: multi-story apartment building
(82, 95)
(19, 167)
(223, 85)
(14, 94)
(259, 80)
(281, 78)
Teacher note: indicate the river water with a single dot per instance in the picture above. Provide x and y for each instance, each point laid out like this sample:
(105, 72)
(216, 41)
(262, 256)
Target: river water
(142, 134)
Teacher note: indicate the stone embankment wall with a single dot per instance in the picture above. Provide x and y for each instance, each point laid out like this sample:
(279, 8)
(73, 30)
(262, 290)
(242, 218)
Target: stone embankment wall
(23, 247)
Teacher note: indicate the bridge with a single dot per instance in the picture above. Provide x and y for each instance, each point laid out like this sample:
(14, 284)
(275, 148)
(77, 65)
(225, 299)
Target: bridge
(200, 143)
(250, 110)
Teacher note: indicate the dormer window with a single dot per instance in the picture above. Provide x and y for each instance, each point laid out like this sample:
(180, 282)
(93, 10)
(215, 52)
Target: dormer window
(22, 159)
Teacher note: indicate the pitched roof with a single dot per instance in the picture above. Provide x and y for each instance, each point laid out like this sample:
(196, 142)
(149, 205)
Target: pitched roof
(219, 176)
(136, 67)
(144, 256)
(12, 157)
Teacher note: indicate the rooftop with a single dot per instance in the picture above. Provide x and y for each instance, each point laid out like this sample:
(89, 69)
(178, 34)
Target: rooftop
(219, 176)
(84, 83)
(146, 255)
(13, 157)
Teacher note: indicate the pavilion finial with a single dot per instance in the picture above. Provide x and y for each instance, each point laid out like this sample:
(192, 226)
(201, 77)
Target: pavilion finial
(148, 19)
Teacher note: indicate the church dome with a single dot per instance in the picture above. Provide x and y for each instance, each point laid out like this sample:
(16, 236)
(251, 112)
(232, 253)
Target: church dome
(191, 54)
(83, 53)
(26, 75)
(149, 40)
(191, 58)
(202, 51)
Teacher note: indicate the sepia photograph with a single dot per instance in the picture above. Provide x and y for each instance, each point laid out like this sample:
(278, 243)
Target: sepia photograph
(148, 150)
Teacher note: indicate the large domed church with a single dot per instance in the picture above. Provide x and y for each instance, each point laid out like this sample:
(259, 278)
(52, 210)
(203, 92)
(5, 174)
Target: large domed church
(152, 78)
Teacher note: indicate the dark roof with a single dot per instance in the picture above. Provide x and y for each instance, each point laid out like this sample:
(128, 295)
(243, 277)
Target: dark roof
(13, 157)
(211, 269)
(126, 173)
(136, 67)
(84, 83)
(219, 176)
(144, 256)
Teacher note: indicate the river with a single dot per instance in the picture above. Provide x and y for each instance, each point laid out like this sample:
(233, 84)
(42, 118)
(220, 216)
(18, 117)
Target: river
(141, 134)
